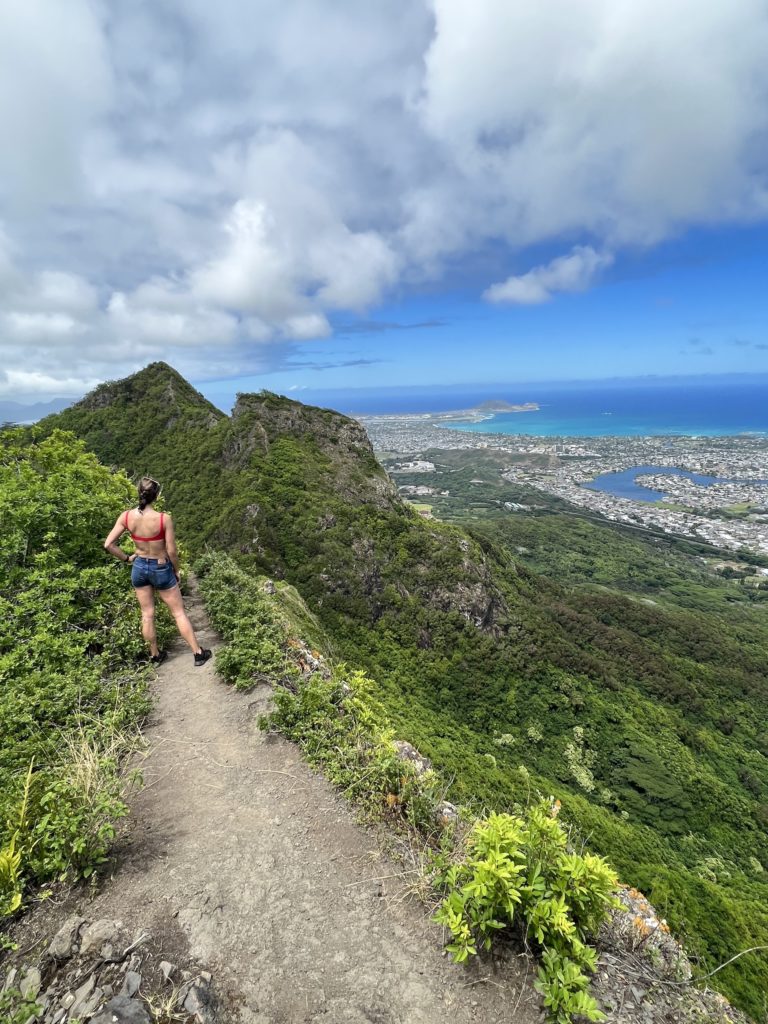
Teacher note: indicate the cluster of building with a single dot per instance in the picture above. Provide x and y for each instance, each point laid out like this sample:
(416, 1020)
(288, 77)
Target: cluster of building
(723, 494)
(407, 435)
(750, 532)
(731, 513)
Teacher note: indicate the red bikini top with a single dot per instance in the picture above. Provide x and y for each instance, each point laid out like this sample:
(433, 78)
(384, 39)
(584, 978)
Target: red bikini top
(158, 536)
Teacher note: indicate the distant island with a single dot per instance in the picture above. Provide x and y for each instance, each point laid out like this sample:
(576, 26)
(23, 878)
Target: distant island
(477, 414)
(499, 405)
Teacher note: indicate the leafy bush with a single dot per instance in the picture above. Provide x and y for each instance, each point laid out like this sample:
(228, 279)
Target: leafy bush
(10, 877)
(517, 870)
(78, 805)
(16, 1008)
(70, 688)
(11, 880)
(239, 610)
(341, 728)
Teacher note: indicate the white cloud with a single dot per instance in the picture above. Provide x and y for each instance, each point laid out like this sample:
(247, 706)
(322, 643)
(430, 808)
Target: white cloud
(622, 119)
(256, 330)
(355, 268)
(7, 269)
(306, 327)
(32, 383)
(42, 324)
(252, 273)
(174, 184)
(132, 319)
(55, 83)
(572, 273)
(288, 249)
(60, 292)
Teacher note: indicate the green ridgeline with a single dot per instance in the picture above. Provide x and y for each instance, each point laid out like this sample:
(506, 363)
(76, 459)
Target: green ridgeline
(648, 720)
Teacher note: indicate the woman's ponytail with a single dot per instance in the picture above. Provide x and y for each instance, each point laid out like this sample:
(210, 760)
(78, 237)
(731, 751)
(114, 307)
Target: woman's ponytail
(148, 491)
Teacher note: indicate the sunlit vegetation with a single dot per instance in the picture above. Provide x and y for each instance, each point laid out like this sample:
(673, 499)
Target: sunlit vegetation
(70, 686)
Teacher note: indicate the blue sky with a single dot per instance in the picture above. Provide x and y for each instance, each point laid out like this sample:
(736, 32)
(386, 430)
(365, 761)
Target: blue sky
(279, 194)
(696, 305)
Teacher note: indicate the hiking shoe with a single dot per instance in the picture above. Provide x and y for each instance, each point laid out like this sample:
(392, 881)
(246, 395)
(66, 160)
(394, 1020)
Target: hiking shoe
(202, 657)
(158, 659)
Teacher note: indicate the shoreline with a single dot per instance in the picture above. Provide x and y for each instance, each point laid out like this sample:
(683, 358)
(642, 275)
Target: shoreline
(467, 421)
(556, 434)
(474, 415)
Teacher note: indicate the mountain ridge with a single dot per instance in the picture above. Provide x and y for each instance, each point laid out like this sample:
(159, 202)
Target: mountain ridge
(273, 463)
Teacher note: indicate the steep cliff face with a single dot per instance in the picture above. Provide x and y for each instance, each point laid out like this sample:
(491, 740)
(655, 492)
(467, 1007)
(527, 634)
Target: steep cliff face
(292, 488)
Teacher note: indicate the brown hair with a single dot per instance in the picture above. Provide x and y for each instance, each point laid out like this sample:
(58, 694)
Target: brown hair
(148, 491)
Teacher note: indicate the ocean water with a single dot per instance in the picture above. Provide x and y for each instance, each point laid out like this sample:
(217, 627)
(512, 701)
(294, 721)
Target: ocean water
(728, 408)
(735, 404)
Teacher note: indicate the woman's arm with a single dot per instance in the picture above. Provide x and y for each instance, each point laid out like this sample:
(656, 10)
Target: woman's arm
(111, 545)
(170, 544)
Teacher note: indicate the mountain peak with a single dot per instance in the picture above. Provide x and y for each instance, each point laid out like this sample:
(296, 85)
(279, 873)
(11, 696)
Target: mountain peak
(261, 419)
(130, 422)
(155, 380)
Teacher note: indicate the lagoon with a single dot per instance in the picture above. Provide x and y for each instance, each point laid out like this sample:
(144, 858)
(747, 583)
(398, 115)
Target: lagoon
(623, 484)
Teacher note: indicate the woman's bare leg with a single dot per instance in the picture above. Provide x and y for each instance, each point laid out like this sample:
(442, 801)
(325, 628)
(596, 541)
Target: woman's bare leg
(172, 598)
(146, 598)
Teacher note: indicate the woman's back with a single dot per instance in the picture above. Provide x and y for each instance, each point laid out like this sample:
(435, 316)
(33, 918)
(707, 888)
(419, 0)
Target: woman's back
(154, 567)
(147, 530)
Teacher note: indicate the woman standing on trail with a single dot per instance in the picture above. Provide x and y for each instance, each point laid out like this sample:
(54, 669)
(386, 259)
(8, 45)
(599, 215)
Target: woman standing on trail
(155, 568)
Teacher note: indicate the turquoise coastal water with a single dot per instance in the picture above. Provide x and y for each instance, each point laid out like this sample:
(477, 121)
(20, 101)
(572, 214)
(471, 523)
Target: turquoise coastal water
(548, 423)
(707, 411)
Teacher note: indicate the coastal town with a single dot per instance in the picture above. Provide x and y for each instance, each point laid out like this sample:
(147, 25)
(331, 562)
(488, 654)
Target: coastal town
(729, 512)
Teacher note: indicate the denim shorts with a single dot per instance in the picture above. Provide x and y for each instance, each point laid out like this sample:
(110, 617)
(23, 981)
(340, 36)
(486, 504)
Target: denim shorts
(147, 572)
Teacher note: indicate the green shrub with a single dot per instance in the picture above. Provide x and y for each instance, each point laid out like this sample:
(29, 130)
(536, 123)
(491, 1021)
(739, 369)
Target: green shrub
(11, 879)
(341, 728)
(239, 610)
(70, 687)
(517, 870)
(16, 1008)
(77, 807)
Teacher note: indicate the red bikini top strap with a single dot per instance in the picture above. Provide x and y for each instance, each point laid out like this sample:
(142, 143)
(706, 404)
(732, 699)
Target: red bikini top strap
(162, 528)
(125, 520)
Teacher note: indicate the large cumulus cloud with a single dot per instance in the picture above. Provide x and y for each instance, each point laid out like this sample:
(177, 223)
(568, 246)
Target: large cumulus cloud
(212, 183)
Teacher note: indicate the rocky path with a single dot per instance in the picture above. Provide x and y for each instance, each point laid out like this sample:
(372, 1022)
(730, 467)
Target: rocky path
(241, 855)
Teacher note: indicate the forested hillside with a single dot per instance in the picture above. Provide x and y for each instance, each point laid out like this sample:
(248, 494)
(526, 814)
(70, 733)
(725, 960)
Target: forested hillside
(646, 719)
(296, 491)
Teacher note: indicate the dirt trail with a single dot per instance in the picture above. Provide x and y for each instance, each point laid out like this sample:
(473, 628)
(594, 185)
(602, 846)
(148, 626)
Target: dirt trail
(238, 847)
